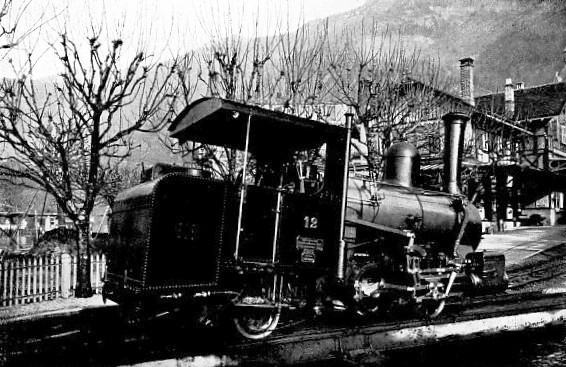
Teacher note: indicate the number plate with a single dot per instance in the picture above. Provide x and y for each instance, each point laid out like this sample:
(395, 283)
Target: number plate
(309, 247)
(309, 242)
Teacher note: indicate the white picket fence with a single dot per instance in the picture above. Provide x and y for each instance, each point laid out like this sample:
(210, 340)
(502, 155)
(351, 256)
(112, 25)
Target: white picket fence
(34, 279)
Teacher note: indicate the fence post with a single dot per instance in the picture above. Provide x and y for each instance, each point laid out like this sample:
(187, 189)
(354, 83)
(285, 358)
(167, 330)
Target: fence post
(65, 275)
(96, 272)
(20, 274)
(11, 283)
(41, 281)
(29, 298)
(3, 279)
(58, 277)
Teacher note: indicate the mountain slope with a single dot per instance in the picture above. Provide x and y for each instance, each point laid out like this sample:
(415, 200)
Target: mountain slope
(522, 40)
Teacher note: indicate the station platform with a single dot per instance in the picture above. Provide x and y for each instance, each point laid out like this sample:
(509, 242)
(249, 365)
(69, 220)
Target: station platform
(521, 244)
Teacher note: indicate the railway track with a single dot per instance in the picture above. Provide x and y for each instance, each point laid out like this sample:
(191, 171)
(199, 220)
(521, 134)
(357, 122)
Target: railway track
(546, 265)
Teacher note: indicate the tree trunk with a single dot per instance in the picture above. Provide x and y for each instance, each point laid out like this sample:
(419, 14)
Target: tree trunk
(83, 288)
(373, 153)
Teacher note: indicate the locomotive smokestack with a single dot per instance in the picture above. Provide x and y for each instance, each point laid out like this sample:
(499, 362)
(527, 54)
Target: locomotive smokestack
(454, 127)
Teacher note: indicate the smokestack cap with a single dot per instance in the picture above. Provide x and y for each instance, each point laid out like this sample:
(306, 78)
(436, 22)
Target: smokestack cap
(456, 117)
(402, 149)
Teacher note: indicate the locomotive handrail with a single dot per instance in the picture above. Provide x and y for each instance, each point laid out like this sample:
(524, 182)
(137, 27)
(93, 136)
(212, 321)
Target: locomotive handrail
(340, 272)
(465, 210)
(380, 227)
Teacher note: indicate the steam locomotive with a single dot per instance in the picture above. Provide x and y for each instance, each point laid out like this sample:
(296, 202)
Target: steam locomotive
(293, 235)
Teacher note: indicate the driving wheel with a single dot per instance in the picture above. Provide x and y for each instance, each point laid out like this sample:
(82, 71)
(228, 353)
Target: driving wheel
(255, 322)
(367, 291)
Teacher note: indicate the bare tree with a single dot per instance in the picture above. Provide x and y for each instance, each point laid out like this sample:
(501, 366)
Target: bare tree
(119, 179)
(390, 88)
(70, 136)
(231, 66)
(295, 80)
(10, 19)
(16, 25)
(284, 71)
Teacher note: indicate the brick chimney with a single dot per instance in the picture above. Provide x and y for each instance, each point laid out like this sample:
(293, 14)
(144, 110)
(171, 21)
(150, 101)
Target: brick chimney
(467, 80)
(509, 98)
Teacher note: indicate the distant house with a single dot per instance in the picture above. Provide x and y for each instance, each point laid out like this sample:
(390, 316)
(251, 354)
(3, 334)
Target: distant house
(20, 230)
(542, 111)
(11, 221)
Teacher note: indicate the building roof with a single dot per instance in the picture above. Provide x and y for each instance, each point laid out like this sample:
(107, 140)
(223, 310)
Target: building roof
(530, 103)
(458, 104)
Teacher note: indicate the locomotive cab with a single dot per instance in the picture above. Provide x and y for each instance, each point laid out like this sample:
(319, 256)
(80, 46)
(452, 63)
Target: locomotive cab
(287, 191)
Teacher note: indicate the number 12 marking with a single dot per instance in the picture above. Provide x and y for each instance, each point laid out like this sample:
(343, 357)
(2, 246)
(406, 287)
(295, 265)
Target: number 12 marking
(310, 222)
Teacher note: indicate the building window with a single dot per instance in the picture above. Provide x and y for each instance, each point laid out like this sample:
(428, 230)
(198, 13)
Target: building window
(484, 141)
(498, 143)
(507, 148)
(529, 143)
(517, 147)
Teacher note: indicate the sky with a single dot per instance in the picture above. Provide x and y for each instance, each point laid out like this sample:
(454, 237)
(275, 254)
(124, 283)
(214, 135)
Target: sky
(163, 27)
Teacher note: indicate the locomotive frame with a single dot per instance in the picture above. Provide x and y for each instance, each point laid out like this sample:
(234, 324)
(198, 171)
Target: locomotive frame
(286, 237)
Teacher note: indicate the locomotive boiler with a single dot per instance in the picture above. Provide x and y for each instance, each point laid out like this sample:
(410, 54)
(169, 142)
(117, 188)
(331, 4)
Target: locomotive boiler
(293, 235)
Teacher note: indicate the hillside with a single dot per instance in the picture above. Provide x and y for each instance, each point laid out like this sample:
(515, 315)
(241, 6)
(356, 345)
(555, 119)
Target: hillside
(517, 39)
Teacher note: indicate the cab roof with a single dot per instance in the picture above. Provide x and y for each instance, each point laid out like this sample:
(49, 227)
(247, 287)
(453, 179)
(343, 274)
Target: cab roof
(222, 122)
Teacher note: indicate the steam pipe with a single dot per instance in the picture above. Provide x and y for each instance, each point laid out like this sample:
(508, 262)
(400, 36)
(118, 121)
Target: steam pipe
(454, 128)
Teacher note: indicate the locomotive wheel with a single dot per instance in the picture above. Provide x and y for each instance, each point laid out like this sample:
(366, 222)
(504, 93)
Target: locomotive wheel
(434, 303)
(431, 308)
(256, 322)
(367, 284)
